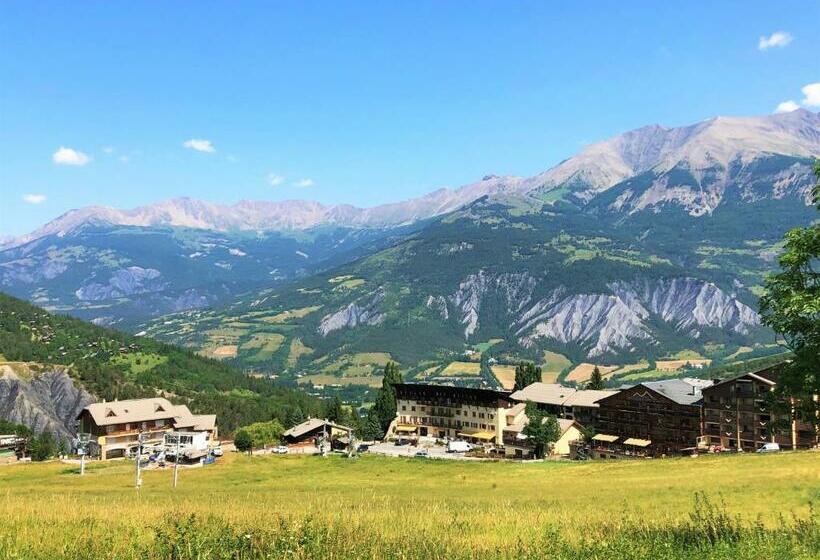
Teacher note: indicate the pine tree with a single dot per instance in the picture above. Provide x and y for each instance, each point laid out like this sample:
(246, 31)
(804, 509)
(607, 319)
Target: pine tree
(384, 410)
(526, 373)
(334, 411)
(294, 416)
(596, 380)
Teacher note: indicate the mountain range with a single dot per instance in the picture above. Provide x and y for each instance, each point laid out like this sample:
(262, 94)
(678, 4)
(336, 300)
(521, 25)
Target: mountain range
(649, 243)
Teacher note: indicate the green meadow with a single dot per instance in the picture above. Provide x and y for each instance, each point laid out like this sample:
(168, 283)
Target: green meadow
(740, 506)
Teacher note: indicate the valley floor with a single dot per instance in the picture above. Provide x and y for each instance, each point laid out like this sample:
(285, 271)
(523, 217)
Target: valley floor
(752, 506)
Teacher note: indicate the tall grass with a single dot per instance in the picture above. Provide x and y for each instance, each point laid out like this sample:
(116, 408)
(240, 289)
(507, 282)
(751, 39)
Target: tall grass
(711, 532)
(310, 507)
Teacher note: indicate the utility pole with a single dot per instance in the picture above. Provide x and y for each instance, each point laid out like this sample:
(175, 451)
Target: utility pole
(176, 461)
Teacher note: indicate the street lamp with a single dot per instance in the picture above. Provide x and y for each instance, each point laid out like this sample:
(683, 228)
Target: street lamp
(140, 439)
(82, 442)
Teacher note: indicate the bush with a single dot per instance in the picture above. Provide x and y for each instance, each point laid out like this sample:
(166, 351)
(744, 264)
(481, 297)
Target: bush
(243, 440)
(43, 447)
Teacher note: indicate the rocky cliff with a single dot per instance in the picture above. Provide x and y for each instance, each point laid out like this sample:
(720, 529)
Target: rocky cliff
(601, 323)
(44, 398)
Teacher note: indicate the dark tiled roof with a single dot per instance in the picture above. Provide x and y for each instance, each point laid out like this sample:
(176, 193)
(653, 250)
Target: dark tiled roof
(676, 389)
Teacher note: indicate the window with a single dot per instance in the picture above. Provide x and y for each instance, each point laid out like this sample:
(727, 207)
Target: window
(403, 407)
(413, 408)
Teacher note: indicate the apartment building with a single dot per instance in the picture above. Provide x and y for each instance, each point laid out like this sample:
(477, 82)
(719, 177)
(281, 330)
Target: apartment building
(737, 414)
(476, 415)
(652, 419)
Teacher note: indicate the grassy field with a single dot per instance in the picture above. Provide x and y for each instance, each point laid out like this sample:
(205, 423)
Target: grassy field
(460, 369)
(377, 507)
(553, 364)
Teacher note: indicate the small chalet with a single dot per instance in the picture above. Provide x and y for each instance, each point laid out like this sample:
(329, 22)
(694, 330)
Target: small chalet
(311, 430)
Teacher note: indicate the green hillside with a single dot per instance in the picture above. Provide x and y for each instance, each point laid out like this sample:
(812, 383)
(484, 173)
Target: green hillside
(113, 365)
(516, 252)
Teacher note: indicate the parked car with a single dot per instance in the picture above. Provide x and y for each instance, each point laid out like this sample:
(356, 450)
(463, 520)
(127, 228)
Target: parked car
(280, 449)
(402, 442)
(363, 447)
(769, 448)
(422, 453)
(217, 452)
(459, 447)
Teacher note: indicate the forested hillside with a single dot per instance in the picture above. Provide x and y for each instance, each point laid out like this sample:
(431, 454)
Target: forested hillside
(113, 365)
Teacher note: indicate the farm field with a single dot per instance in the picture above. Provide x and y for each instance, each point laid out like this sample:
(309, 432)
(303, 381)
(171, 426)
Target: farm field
(458, 369)
(582, 372)
(505, 375)
(553, 364)
(314, 507)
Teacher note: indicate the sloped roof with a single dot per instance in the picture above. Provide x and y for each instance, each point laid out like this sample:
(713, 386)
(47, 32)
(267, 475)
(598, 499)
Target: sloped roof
(133, 410)
(676, 390)
(564, 424)
(543, 393)
(147, 410)
(310, 425)
(587, 397)
(204, 422)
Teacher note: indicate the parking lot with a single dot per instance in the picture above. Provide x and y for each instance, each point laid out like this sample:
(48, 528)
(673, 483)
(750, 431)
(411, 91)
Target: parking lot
(433, 451)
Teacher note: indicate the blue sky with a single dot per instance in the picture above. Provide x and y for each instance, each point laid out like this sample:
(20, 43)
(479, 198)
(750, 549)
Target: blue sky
(362, 102)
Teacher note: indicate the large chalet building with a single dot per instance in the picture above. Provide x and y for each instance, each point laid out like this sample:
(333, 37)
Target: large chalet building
(653, 419)
(737, 415)
(115, 426)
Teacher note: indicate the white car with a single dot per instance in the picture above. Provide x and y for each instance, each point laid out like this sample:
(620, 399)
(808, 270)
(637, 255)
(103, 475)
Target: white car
(217, 452)
(280, 449)
(459, 447)
(769, 448)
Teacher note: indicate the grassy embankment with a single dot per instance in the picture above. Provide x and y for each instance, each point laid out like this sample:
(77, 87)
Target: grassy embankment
(373, 507)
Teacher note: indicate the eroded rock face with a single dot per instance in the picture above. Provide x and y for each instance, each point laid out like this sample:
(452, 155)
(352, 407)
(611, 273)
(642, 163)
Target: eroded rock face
(599, 322)
(363, 311)
(123, 282)
(47, 400)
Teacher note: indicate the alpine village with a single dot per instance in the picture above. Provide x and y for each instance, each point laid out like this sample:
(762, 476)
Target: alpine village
(271, 288)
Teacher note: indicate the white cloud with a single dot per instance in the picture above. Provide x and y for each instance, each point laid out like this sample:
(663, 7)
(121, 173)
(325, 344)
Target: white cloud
(275, 180)
(304, 183)
(787, 107)
(35, 198)
(69, 156)
(776, 39)
(812, 94)
(199, 145)
(108, 150)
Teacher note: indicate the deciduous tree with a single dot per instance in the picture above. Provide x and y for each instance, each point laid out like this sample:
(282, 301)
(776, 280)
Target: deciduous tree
(791, 306)
(541, 430)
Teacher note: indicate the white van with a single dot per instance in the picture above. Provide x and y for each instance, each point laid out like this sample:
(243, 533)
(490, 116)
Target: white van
(769, 448)
(458, 447)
